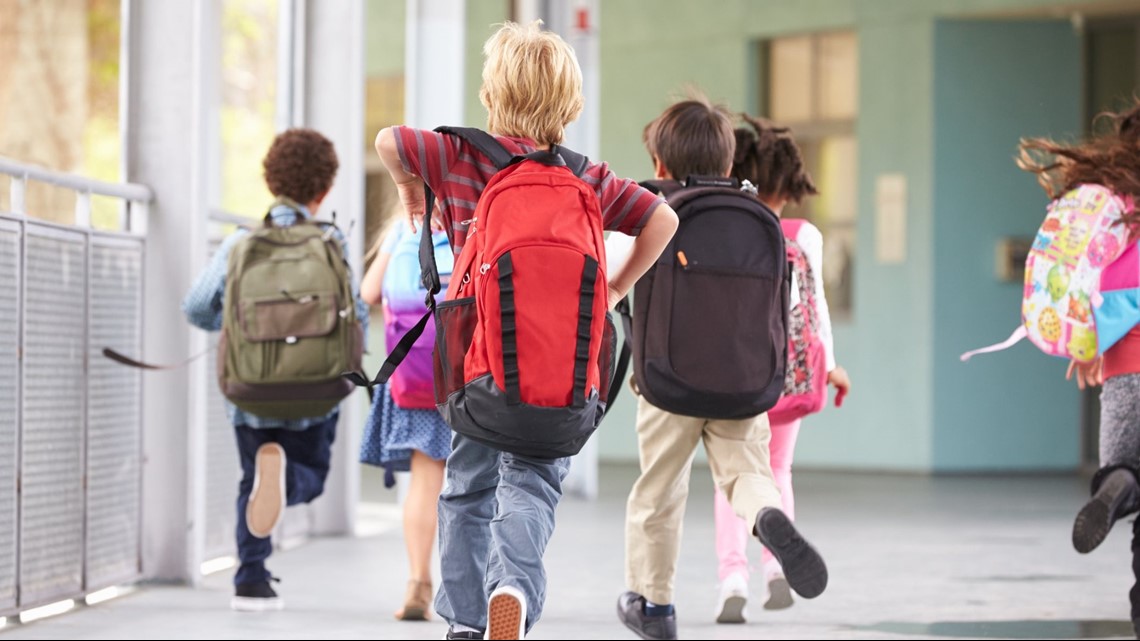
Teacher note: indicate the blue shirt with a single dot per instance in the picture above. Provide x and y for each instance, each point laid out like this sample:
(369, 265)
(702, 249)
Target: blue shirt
(203, 308)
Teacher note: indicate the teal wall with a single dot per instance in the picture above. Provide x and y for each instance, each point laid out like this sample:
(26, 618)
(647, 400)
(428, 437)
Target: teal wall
(886, 422)
(913, 407)
(483, 19)
(996, 82)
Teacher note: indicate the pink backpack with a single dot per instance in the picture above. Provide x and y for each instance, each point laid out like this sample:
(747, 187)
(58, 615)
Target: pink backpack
(805, 379)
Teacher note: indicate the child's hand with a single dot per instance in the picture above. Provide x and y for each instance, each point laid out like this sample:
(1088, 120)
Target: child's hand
(1088, 374)
(412, 197)
(838, 378)
(614, 297)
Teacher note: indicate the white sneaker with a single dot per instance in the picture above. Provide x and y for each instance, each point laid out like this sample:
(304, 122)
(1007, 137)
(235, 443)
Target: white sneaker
(733, 598)
(267, 500)
(506, 614)
(779, 594)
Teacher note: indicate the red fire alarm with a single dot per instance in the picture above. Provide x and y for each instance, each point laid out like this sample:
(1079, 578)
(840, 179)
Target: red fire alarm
(583, 19)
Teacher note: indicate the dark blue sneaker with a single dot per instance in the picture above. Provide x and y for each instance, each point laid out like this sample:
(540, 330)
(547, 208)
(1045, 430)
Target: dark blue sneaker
(256, 597)
(631, 611)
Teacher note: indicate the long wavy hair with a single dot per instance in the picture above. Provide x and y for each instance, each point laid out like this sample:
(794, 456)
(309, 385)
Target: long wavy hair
(1111, 160)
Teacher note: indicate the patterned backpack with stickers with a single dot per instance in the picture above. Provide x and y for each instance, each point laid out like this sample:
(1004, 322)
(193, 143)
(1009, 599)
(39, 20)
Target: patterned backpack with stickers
(805, 381)
(1082, 278)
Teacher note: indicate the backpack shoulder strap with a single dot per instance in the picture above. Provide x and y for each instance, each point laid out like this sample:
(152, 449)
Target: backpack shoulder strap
(664, 188)
(791, 226)
(482, 141)
(683, 195)
(557, 156)
(576, 162)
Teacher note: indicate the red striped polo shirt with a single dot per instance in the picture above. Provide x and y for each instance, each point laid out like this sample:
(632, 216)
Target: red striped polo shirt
(458, 173)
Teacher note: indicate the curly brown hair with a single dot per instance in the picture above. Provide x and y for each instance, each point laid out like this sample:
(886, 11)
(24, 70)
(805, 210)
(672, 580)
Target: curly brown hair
(301, 164)
(1111, 160)
(768, 157)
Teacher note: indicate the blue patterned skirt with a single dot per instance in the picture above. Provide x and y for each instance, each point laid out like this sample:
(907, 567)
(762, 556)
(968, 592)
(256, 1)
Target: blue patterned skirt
(391, 433)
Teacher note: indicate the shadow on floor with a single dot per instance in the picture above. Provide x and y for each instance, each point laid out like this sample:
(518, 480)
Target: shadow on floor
(1101, 629)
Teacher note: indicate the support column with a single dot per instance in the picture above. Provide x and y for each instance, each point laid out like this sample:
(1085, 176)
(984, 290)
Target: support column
(169, 91)
(332, 102)
(577, 22)
(435, 85)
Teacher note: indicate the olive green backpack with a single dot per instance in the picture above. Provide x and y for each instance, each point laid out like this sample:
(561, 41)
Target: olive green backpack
(289, 327)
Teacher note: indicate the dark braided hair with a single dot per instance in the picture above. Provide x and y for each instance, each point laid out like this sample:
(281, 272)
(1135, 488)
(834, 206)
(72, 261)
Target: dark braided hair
(768, 157)
(1111, 160)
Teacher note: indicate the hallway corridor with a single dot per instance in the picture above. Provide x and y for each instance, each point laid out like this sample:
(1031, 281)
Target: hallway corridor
(910, 557)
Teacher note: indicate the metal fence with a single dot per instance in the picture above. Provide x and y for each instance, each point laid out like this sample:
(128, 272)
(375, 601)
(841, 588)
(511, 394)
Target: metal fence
(70, 420)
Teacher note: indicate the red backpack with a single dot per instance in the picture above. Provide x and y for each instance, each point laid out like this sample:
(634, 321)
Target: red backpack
(525, 346)
(805, 383)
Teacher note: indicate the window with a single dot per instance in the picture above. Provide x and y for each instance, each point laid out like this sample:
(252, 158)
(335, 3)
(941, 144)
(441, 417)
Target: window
(813, 87)
(248, 102)
(383, 107)
(59, 98)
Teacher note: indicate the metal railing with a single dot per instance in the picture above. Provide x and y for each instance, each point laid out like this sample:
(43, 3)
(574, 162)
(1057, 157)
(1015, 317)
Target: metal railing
(70, 420)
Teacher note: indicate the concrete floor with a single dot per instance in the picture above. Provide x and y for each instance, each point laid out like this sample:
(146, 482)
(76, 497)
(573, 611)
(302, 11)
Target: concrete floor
(910, 558)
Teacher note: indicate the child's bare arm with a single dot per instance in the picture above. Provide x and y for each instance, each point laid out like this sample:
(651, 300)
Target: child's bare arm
(646, 249)
(409, 186)
(372, 285)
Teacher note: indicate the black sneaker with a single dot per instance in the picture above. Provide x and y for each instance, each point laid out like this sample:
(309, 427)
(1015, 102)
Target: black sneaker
(803, 566)
(631, 611)
(256, 597)
(466, 634)
(1115, 496)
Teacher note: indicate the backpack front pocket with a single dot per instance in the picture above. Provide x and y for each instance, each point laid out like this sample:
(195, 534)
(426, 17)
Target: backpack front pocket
(742, 362)
(455, 329)
(279, 333)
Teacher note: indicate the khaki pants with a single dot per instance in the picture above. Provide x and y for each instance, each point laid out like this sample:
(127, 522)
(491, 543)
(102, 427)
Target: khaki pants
(738, 456)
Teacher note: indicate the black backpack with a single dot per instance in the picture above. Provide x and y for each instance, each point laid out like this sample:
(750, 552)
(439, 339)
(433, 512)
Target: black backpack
(710, 316)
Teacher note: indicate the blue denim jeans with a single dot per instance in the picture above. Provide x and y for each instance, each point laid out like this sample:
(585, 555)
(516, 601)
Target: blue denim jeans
(496, 515)
(307, 455)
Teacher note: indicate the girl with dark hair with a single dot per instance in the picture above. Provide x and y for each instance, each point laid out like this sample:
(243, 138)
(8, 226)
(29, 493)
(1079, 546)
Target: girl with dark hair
(769, 163)
(1112, 161)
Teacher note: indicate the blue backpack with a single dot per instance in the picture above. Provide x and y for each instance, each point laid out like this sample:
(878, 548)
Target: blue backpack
(412, 384)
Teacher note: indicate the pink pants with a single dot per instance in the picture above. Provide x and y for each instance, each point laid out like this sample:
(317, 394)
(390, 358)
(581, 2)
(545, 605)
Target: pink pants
(732, 533)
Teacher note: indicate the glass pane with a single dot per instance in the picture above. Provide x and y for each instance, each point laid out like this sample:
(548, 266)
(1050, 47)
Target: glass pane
(1111, 64)
(249, 84)
(50, 203)
(107, 213)
(383, 107)
(838, 76)
(832, 162)
(836, 176)
(838, 270)
(791, 79)
(59, 91)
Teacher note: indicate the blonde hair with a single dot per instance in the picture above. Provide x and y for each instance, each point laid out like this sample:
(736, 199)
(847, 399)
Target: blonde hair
(532, 84)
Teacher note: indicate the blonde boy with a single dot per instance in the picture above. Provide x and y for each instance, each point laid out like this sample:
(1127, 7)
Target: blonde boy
(496, 512)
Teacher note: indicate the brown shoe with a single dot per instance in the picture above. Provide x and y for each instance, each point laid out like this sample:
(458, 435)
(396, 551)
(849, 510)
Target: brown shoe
(416, 602)
(267, 501)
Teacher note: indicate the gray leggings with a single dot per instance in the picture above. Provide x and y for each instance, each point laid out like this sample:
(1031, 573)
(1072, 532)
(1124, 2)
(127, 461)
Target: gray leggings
(1120, 421)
